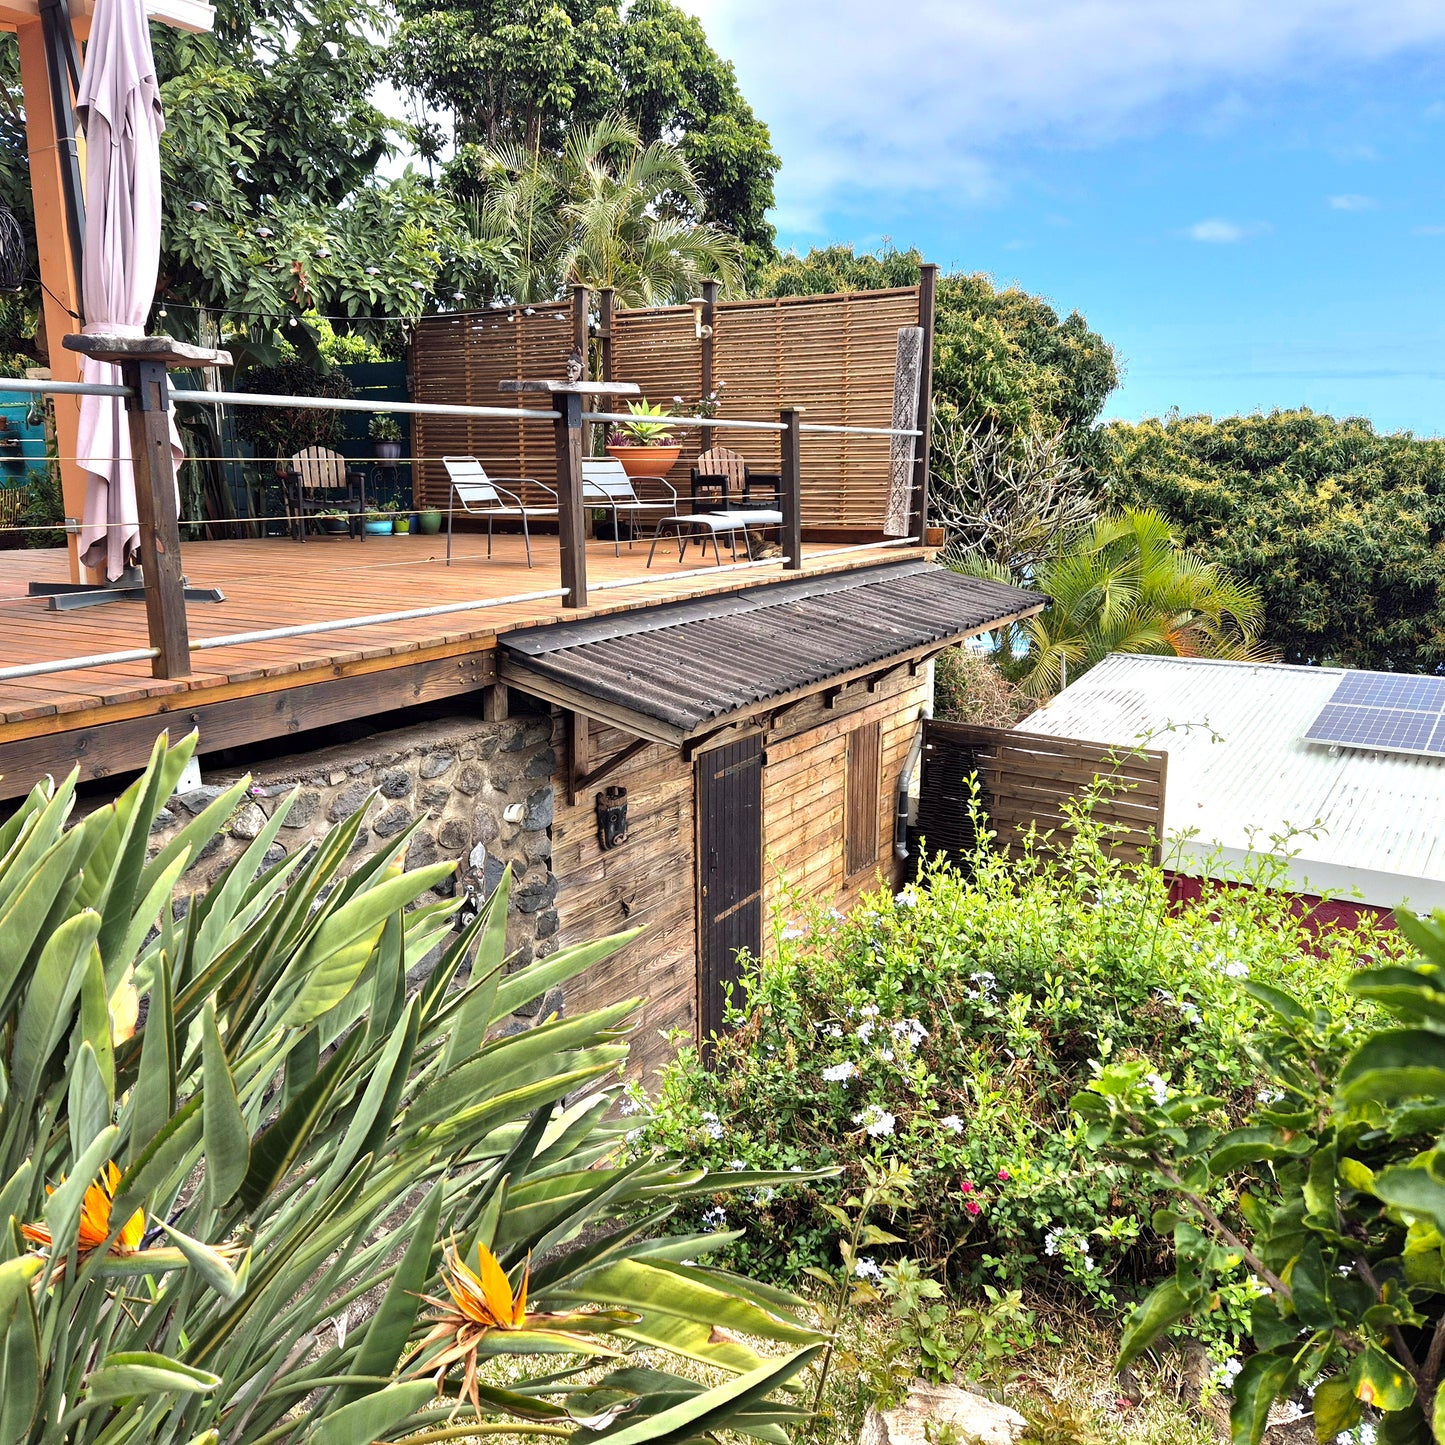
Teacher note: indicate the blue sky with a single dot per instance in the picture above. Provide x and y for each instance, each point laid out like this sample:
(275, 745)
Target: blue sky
(1246, 197)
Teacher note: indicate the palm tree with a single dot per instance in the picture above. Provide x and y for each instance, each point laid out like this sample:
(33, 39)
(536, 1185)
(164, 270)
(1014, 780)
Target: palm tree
(608, 211)
(1122, 584)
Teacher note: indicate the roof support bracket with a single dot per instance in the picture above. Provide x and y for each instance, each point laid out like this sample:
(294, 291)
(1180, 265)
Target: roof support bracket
(579, 778)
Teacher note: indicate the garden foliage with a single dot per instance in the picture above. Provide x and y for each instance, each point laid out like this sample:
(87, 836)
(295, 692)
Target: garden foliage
(949, 1028)
(253, 1188)
(1340, 1181)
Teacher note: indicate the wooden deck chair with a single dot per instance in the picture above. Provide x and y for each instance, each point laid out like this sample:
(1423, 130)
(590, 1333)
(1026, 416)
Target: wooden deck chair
(482, 496)
(317, 480)
(606, 484)
(720, 463)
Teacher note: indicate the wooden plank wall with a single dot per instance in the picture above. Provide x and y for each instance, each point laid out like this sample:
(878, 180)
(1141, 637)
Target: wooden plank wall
(805, 794)
(832, 355)
(459, 360)
(1026, 778)
(649, 880)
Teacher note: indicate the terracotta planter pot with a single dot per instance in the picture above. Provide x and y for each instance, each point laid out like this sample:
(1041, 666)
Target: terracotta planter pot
(646, 461)
(933, 536)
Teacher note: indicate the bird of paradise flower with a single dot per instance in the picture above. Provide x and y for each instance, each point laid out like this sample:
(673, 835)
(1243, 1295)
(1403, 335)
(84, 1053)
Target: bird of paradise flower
(483, 1315)
(95, 1221)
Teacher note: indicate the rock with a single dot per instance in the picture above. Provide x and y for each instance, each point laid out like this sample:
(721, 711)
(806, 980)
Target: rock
(198, 798)
(421, 851)
(347, 801)
(538, 890)
(248, 822)
(485, 827)
(455, 836)
(163, 820)
(396, 783)
(274, 854)
(358, 770)
(392, 821)
(487, 747)
(539, 810)
(547, 923)
(303, 810)
(436, 795)
(471, 780)
(435, 764)
(541, 766)
(928, 1407)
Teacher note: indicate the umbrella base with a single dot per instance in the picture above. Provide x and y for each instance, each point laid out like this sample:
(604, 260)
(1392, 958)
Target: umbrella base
(129, 587)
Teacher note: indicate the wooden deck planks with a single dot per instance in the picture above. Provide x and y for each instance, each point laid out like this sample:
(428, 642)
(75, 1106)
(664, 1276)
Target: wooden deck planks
(275, 583)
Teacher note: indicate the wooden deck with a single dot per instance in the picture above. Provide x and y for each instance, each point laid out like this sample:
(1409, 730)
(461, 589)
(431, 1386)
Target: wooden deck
(278, 583)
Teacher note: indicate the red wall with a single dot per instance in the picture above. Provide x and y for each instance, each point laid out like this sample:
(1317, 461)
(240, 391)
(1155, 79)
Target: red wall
(1318, 913)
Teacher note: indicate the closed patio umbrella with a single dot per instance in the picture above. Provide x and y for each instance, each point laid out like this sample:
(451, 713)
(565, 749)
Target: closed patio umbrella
(120, 107)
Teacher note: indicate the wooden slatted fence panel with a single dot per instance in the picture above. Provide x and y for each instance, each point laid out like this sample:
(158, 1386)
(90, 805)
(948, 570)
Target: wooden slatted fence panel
(1025, 779)
(832, 355)
(459, 360)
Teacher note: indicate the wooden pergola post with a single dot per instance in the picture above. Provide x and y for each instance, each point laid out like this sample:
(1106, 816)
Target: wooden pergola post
(144, 361)
(709, 353)
(791, 502)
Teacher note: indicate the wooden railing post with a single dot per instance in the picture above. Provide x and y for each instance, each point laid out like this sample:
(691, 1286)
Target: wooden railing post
(709, 354)
(927, 294)
(143, 362)
(567, 397)
(791, 471)
(606, 304)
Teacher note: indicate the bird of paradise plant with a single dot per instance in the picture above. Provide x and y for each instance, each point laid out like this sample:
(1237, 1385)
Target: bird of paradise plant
(95, 1221)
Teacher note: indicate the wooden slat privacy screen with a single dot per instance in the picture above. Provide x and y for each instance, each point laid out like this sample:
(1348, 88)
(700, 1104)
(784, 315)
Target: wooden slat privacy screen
(832, 355)
(459, 360)
(1025, 778)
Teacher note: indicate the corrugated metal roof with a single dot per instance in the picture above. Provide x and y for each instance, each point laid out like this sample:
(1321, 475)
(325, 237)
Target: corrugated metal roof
(682, 667)
(1241, 774)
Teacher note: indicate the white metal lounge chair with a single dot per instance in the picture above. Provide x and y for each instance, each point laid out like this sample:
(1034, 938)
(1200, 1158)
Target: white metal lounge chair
(606, 484)
(481, 496)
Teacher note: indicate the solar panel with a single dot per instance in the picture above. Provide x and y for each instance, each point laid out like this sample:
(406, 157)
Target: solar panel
(1384, 710)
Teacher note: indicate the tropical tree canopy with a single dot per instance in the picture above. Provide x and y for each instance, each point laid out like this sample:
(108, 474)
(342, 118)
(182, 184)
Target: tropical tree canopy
(1123, 584)
(529, 72)
(608, 211)
(1341, 529)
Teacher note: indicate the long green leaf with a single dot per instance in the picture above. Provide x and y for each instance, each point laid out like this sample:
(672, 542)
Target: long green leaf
(472, 1020)
(369, 1418)
(143, 1372)
(228, 1140)
(46, 1013)
(548, 973)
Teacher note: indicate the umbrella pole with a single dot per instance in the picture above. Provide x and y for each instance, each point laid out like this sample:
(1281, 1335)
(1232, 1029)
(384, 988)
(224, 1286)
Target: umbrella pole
(144, 361)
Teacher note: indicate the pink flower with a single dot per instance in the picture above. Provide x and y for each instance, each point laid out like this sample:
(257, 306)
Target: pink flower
(967, 1187)
(1004, 1174)
(973, 1208)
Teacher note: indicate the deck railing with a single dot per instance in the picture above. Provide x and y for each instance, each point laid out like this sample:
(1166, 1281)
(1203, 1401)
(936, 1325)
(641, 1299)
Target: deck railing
(149, 396)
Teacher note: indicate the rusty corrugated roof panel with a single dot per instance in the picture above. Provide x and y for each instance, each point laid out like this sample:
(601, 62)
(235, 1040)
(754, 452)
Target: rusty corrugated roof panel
(687, 665)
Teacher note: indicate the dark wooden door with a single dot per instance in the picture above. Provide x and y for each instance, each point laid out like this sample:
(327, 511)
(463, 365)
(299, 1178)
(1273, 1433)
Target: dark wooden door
(730, 870)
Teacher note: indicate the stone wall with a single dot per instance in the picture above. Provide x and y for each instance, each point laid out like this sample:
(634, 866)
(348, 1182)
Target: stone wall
(483, 791)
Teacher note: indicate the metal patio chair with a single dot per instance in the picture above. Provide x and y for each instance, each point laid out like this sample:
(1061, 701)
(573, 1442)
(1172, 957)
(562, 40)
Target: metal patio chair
(316, 480)
(481, 496)
(606, 484)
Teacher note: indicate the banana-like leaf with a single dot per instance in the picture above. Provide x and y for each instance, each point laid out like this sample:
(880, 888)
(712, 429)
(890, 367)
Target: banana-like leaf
(471, 1021)
(228, 1140)
(45, 1014)
(548, 973)
(209, 1263)
(369, 1418)
(144, 1372)
(153, 1100)
(88, 1101)
(19, 1361)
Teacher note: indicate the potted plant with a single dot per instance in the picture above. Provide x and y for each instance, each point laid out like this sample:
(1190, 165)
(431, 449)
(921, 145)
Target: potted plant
(378, 524)
(429, 521)
(401, 519)
(385, 433)
(645, 447)
(334, 524)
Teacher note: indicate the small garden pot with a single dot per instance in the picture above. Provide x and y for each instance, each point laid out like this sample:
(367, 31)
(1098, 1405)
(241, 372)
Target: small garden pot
(378, 527)
(933, 536)
(401, 524)
(646, 461)
(429, 522)
(386, 451)
(335, 526)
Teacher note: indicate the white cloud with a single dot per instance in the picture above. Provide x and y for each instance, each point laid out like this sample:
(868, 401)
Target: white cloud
(1219, 232)
(928, 95)
(1353, 203)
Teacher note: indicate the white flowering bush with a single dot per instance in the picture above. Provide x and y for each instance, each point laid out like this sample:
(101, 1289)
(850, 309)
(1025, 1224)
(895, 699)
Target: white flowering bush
(949, 1027)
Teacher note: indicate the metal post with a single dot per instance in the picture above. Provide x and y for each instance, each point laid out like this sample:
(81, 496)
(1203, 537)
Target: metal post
(148, 411)
(606, 302)
(709, 354)
(791, 470)
(571, 518)
(927, 293)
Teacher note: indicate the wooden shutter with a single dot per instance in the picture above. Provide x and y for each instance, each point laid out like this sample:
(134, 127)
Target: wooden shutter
(860, 811)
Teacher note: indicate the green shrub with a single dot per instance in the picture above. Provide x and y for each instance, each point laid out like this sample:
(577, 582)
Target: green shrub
(224, 1126)
(949, 1027)
(1341, 1176)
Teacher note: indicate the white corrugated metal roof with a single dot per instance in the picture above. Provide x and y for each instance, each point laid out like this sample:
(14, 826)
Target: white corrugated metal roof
(1240, 774)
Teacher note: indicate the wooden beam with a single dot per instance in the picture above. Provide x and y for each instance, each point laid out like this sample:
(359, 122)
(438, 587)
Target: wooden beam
(708, 376)
(495, 703)
(927, 293)
(106, 749)
(579, 740)
(791, 501)
(59, 283)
